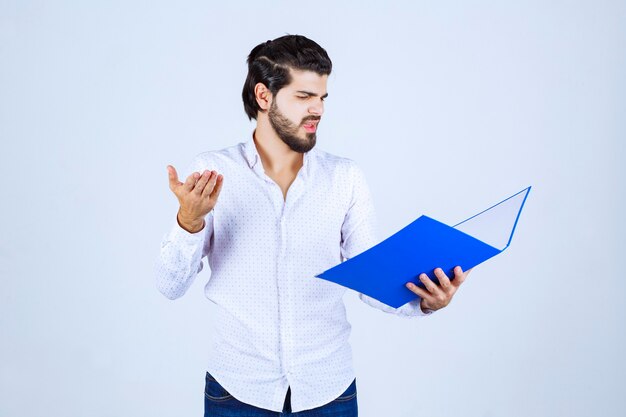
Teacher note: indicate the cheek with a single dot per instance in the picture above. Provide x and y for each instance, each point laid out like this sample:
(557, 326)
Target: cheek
(296, 113)
(294, 110)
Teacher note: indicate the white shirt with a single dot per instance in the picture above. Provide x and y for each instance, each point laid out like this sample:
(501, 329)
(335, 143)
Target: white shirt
(278, 325)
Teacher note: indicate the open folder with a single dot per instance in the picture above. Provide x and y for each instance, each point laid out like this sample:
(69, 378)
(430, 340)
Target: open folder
(383, 270)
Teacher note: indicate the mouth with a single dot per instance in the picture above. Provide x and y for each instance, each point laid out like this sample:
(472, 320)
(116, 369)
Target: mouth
(310, 126)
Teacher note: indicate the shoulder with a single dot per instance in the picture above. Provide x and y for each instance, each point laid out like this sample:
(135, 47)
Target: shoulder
(338, 166)
(216, 159)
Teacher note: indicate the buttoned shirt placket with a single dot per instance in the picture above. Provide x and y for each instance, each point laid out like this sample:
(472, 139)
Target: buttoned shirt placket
(282, 207)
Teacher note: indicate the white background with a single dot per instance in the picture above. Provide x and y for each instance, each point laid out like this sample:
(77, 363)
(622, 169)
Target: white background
(447, 106)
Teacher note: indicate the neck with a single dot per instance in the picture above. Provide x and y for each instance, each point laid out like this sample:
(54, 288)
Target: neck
(276, 156)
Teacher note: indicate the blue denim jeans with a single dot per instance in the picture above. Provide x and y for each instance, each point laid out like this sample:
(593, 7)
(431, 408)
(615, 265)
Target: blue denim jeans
(218, 402)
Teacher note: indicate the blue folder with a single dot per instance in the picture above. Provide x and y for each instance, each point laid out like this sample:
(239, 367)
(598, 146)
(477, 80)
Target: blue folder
(383, 270)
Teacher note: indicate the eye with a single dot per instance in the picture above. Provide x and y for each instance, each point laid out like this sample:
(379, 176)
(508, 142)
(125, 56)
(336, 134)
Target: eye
(303, 97)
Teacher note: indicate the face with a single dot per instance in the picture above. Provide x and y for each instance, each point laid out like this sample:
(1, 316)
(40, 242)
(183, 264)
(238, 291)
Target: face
(297, 109)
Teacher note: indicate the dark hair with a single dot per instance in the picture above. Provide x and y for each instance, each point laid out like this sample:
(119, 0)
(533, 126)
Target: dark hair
(269, 63)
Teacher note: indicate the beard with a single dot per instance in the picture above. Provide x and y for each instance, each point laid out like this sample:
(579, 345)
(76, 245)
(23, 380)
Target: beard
(288, 131)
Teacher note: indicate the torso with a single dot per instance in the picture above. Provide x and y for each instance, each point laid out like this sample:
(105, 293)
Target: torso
(284, 181)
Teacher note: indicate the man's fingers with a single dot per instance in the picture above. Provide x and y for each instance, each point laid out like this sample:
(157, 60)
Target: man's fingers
(218, 187)
(191, 181)
(459, 276)
(202, 182)
(429, 284)
(418, 290)
(173, 177)
(438, 296)
(212, 186)
(444, 281)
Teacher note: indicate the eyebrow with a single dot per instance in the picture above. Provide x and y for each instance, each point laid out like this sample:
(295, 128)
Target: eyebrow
(311, 93)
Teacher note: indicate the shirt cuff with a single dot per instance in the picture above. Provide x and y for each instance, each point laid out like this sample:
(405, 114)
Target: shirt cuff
(178, 234)
(408, 310)
(413, 309)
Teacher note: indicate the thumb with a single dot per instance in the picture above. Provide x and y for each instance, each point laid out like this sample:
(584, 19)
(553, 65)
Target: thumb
(173, 177)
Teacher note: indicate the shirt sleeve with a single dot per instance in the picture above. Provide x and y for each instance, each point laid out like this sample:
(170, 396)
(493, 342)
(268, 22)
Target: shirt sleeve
(181, 253)
(358, 233)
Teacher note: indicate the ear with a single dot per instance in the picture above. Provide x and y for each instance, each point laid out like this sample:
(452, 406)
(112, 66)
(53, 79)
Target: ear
(263, 96)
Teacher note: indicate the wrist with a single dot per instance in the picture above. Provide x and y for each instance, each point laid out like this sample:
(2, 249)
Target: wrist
(190, 225)
(424, 307)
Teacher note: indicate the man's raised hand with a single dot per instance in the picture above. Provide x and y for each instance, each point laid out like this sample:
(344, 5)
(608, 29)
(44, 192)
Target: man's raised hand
(197, 196)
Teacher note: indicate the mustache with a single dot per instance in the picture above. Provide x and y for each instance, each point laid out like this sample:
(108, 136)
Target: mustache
(310, 118)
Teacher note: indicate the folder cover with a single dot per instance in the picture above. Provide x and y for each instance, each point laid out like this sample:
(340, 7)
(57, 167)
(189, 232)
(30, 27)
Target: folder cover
(425, 244)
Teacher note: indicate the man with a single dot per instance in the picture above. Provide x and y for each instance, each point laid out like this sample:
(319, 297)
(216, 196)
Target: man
(269, 214)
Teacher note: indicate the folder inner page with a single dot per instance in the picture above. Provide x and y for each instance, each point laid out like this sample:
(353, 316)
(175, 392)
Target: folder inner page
(495, 226)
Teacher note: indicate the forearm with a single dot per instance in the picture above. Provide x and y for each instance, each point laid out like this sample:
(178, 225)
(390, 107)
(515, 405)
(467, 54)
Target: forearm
(179, 261)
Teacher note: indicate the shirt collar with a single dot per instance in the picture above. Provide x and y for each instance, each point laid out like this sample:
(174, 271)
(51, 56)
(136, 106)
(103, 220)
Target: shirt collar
(251, 153)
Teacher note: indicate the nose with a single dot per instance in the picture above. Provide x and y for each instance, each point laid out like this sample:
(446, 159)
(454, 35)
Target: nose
(317, 108)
